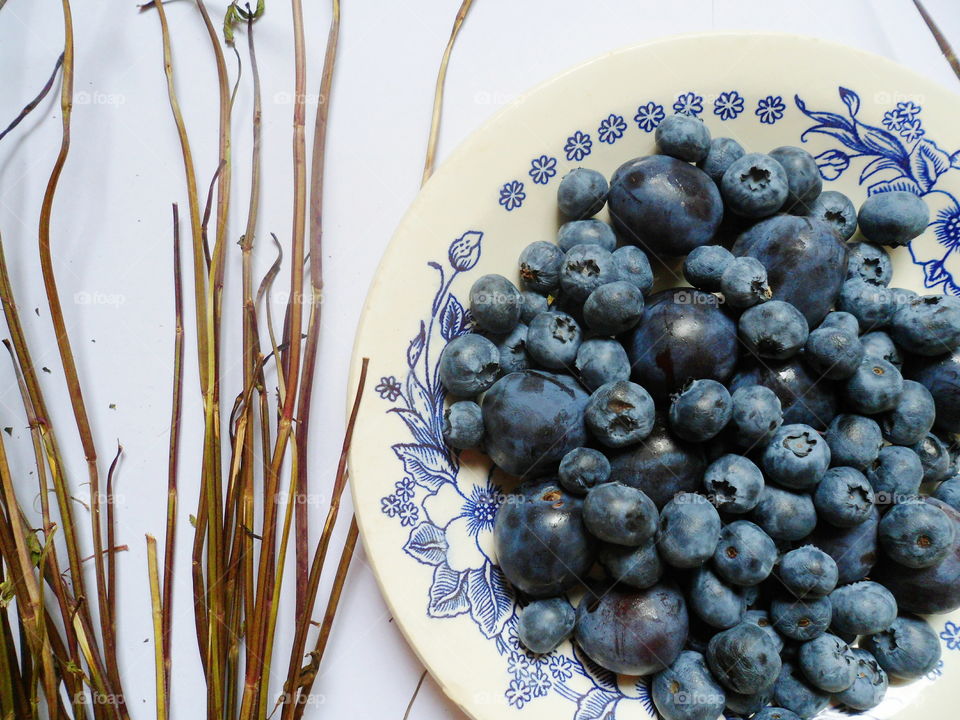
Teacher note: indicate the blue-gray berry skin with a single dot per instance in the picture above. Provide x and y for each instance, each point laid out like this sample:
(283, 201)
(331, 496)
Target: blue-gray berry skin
(908, 649)
(745, 554)
(744, 659)
(796, 457)
(463, 425)
(664, 205)
(582, 193)
(744, 283)
(600, 361)
(513, 350)
(620, 414)
(633, 266)
(584, 269)
(775, 330)
(928, 325)
(844, 497)
(723, 152)
(689, 531)
(542, 546)
(495, 304)
(747, 705)
(544, 624)
(833, 352)
(633, 632)
(532, 419)
(916, 534)
(872, 305)
(703, 267)
(841, 321)
(902, 296)
(869, 262)
(837, 210)
(874, 388)
(784, 515)
(701, 411)
(934, 458)
(854, 441)
(638, 567)
(533, 304)
(863, 608)
(803, 177)
(582, 469)
(775, 713)
(755, 186)
(733, 484)
(540, 265)
(586, 232)
(879, 344)
(912, 417)
(620, 514)
(808, 572)
(854, 549)
(793, 692)
(715, 602)
(869, 686)
(893, 218)
(801, 619)
(761, 619)
(613, 308)
(683, 137)
(896, 475)
(553, 339)
(941, 376)
(755, 415)
(828, 663)
(804, 397)
(469, 365)
(686, 690)
(949, 492)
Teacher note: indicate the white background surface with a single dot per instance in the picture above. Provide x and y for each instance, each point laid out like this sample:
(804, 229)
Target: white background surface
(111, 232)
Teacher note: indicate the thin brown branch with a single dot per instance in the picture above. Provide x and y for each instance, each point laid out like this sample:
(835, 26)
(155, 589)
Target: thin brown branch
(29, 107)
(941, 39)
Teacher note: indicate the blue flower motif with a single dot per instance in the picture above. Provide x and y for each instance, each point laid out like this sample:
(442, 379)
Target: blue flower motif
(611, 129)
(907, 110)
(390, 505)
(518, 693)
(512, 195)
(728, 105)
(578, 146)
(832, 163)
(892, 120)
(912, 130)
(405, 489)
(539, 683)
(409, 514)
(542, 169)
(770, 109)
(518, 663)
(561, 668)
(951, 635)
(936, 672)
(947, 227)
(649, 116)
(688, 104)
(481, 508)
(464, 252)
(389, 388)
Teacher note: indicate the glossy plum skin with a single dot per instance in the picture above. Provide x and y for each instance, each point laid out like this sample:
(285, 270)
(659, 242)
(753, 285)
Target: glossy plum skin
(642, 189)
(794, 249)
(682, 334)
(941, 376)
(802, 397)
(633, 632)
(854, 549)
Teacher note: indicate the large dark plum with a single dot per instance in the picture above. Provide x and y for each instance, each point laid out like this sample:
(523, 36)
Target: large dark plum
(660, 465)
(682, 335)
(854, 549)
(926, 590)
(633, 632)
(664, 205)
(941, 376)
(804, 399)
(806, 261)
(540, 540)
(532, 419)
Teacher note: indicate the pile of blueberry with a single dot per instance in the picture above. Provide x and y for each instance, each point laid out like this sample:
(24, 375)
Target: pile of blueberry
(734, 486)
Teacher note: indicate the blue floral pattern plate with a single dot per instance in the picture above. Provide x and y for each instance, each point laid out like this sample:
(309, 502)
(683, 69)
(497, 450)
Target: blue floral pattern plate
(427, 514)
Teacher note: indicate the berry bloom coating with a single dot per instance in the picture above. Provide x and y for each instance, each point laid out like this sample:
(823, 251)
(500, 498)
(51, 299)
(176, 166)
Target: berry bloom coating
(620, 514)
(908, 649)
(803, 177)
(869, 262)
(837, 210)
(774, 330)
(633, 266)
(755, 186)
(704, 266)
(744, 282)
(801, 619)
(808, 572)
(686, 690)
(701, 411)
(639, 567)
(844, 497)
(683, 137)
(463, 425)
(620, 414)
(927, 325)
(744, 659)
(893, 218)
(582, 193)
(540, 267)
(469, 365)
(745, 554)
(582, 469)
(854, 441)
(553, 339)
(544, 624)
(863, 608)
(495, 304)
(916, 534)
(600, 361)
(722, 154)
(689, 531)
(584, 269)
(733, 484)
(586, 232)
(828, 663)
(869, 686)
(613, 308)
(796, 457)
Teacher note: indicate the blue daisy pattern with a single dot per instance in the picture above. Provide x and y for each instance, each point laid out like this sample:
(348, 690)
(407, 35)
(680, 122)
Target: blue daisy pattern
(542, 169)
(512, 195)
(893, 120)
(688, 104)
(728, 105)
(611, 128)
(578, 146)
(951, 635)
(518, 693)
(946, 226)
(912, 130)
(770, 109)
(560, 667)
(936, 672)
(649, 116)
(389, 388)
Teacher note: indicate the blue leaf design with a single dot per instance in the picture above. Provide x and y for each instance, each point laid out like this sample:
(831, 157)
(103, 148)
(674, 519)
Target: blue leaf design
(851, 100)
(597, 704)
(904, 184)
(601, 677)
(880, 142)
(453, 319)
(426, 464)
(876, 165)
(420, 430)
(448, 593)
(927, 163)
(827, 120)
(415, 348)
(427, 544)
(429, 408)
(490, 603)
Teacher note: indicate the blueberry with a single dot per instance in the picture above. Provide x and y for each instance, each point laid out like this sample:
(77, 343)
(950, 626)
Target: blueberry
(878, 344)
(582, 193)
(844, 497)
(908, 649)
(601, 361)
(532, 419)
(686, 690)
(541, 544)
(863, 608)
(633, 632)
(869, 686)
(912, 417)
(804, 397)
(774, 330)
(747, 705)
(808, 572)
(744, 659)
(582, 469)
(664, 205)
(722, 154)
(833, 352)
(755, 415)
(540, 267)
(949, 492)
(463, 425)
(704, 266)
(715, 602)
(854, 549)
(533, 304)
(620, 514)
(893, 218)
(689, 531)
(553, 339)
(872, 305)
(776, 713)
(633, 266)
(869, 262)
(941, 376)
(901, 296)
(927, 325)
(584, 269)
(495, 304)
(613, 308)
(754, 186)
(841, 321)
(835, 209)
(733, 484)
(544, 624)
(586, 232)
(744, 282)
(803, 177)
(784, 515)
(701, 411)
(896, 474)
(745, 554)
(874, 388)
(796, 457)
(639, 567)
(854, 441)
(793, 692)
(620, 414)
(683, 137)
(761, 619)
(916, 534)
(801, 619)
(513, 350)
(828, 663)
(934, 458)
(469, 365)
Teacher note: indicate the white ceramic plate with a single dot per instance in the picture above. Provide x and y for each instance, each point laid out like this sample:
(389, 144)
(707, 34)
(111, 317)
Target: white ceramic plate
(426, 516)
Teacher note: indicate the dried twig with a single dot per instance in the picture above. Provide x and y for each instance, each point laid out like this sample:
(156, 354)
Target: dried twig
(941, 39)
